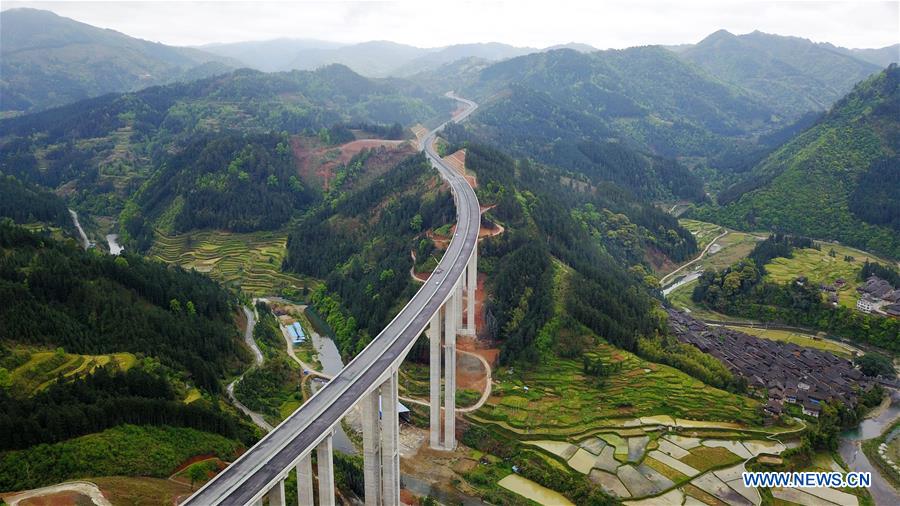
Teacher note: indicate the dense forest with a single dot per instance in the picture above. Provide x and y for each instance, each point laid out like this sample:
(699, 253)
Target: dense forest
(360, 241)
(741, 291)
(56, 294)
(232, 182)
(27, 203)
(102, 400)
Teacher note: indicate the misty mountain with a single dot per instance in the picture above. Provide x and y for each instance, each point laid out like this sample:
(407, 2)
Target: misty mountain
(882, 57)
(49, 60)
(491, 51)
(268, 55)
(794, 75)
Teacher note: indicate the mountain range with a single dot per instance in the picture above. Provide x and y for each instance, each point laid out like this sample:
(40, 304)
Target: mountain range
(47, 60)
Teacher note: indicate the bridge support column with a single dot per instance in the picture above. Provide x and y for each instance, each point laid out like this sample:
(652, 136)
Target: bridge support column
(459, 303)
(471, 286)
(451, 310)
(434, 337)
(324, 454)
(371, 448)
(276, 495)
(390, 441)
(305, 481)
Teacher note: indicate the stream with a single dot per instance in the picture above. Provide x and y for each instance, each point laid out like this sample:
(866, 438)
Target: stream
(332, 364)
(114, 247)
(856, 460)
(84, 238)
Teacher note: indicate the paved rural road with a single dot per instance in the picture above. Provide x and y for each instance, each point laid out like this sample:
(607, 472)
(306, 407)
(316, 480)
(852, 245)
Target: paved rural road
(258, 361)
(264, 464)
(662, 282)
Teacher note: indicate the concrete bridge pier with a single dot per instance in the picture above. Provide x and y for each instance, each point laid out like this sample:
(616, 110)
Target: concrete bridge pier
(276, 496)
(451, 312)
(324, 456)
(434, 337)
(305, 481)
(471, 286)
(372, 448)
(390, 441)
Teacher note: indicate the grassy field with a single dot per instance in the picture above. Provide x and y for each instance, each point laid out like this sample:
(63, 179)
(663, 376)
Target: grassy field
(43, 368)
(821, 268)
(799, 339)
(559, 399)
(251, 262)
(140, 491)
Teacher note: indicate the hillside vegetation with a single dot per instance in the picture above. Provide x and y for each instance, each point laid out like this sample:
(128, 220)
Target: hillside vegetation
(837, 180)
(49, 60)
(57, 294)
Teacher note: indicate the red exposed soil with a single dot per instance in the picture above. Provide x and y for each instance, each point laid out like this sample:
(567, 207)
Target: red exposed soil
(316, 162)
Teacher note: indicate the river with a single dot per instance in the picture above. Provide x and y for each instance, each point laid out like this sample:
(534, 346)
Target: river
(856, 460)
(332, 364)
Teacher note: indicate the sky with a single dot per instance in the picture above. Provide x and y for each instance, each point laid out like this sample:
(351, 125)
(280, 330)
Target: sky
(430, 23)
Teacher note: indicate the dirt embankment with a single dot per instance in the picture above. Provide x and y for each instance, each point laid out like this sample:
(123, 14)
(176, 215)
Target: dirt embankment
(316, 163)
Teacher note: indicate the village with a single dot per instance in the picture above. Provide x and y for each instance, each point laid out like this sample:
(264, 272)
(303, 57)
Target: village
(877, 296)
(787, 373)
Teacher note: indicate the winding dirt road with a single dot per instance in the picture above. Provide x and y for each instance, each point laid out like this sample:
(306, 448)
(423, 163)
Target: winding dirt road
(258, 361)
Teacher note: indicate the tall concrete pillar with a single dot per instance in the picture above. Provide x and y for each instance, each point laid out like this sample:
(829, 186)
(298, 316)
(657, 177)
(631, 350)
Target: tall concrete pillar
(325, 466)
(451, 308)
(459, 303)
(434, 337)
(276, 495)
(471, 286)
(305, 481)
(390, 442)
(371, 428)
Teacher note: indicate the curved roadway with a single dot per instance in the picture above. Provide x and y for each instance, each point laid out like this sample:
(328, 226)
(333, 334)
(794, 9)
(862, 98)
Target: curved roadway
(267, 461)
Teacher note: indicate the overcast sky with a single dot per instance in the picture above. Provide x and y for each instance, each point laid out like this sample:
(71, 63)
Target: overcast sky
(425, 23)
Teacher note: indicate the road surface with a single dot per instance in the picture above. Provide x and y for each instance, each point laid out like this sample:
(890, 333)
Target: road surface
(266, 462)
(257, 361)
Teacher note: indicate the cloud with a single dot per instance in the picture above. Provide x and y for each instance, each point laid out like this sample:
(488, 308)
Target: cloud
(427, 23)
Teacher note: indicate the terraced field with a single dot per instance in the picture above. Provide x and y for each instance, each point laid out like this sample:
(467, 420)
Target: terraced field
(556, 398)
(251, 261)
(44, 367)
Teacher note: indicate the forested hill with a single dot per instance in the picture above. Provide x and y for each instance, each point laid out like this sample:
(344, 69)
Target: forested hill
(57, 295)
(795, 75)
(838, 180)
(102, 150)
(645, 95)
(231, 182)
(359, 242)
(49, 60)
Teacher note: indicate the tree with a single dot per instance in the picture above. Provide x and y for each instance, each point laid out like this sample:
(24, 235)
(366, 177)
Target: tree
(175, 306)
(874, 364)
(197, 473)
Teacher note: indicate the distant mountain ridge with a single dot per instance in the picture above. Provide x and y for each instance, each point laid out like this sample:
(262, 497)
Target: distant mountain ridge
(795, 75)
(47, 60)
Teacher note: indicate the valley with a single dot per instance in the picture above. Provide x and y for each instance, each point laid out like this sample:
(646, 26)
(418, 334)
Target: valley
(243, 272)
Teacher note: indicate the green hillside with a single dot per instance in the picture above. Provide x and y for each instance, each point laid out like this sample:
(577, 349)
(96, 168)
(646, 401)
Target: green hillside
(837, 181)
(49, 60)
(794, 75)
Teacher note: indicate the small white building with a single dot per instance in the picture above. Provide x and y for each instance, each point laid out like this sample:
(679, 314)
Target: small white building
(865, 304)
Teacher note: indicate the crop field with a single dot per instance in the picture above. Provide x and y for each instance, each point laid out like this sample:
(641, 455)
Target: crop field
(797, 338)
(251, 262)
(43, 368)
(555, 397)
(822, 268)
(703, 232)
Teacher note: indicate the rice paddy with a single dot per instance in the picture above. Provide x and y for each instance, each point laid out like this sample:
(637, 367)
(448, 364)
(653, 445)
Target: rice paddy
(555, 397)
(250, 262)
